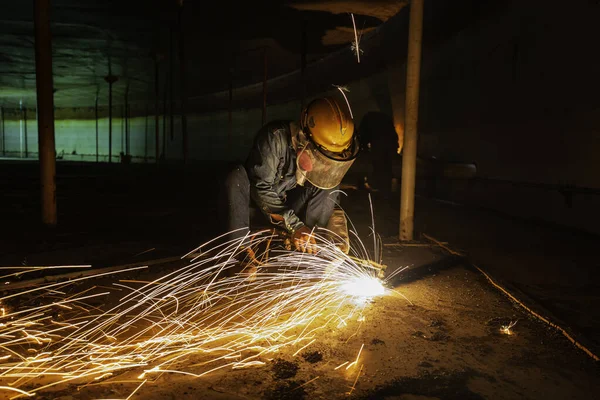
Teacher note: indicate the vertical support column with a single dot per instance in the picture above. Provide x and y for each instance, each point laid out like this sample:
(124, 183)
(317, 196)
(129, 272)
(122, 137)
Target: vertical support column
(264, 105)
(183, 82)
(110, 79)
(171, 80)
(156, 119)
(110, 109)
(2, 126)
(230, 106)
(96, 117)
(164, 121)
(20, 128)
(409, 157)
(126, 112)
(45, 107)
(25, 132)
(146, 133)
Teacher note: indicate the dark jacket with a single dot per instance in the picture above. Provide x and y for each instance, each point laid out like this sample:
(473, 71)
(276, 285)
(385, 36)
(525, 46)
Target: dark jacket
(271, 167)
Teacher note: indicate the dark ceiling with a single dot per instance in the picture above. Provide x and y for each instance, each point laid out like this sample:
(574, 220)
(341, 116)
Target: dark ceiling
(224, 43)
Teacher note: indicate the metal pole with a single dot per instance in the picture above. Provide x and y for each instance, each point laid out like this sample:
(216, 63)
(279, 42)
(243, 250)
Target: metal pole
(156, 123)
(171, 71)
(110, 122)
(110, 79)
(409, 157)
(146, 134)
(230, 105)
(96, 118)
(183, 88)
(123, 132)
(164, 124)
(21, 129)
(25, 132)
(264, 105)
(128, 126)
(3, 132)
(45, 106)
(126, 112)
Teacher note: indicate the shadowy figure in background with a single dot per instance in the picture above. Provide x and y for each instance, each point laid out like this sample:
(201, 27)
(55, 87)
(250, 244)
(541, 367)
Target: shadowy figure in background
(379, 139)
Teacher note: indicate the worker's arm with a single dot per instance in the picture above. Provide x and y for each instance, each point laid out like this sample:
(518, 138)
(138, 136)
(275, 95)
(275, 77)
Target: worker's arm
(262, 166)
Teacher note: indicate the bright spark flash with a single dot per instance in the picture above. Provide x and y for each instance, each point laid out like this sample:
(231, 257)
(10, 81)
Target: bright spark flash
(203, 308)
(362, 289)
(507, 329)
(342, 90)
(355, 45)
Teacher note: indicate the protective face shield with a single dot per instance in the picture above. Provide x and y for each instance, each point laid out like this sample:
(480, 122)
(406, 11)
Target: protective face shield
(323, 169)
(326, 145)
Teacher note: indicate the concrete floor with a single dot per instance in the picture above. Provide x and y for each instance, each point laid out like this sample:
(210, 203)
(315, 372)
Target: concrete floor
(444, 342)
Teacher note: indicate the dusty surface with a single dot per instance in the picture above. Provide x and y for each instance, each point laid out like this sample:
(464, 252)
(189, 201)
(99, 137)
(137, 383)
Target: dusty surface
(445, 343)
(444, 340)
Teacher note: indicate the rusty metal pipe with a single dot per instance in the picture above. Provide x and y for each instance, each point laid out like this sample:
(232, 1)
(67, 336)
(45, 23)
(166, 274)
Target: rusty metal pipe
(409, 157)
(45, 107)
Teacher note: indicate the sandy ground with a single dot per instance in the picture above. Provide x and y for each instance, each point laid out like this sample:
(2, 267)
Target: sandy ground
(437, 336)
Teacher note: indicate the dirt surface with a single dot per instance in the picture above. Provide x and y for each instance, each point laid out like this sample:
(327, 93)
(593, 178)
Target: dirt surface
(439, 335)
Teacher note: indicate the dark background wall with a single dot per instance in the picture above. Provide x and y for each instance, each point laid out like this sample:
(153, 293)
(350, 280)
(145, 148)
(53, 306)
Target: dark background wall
(516, 93)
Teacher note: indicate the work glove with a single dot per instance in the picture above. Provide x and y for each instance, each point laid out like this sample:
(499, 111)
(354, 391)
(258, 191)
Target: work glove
(304, 240)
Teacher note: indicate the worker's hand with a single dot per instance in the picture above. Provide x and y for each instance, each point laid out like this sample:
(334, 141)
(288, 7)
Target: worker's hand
(304, 240)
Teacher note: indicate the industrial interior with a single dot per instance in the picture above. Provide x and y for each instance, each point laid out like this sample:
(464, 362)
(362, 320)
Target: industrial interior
(463, 263)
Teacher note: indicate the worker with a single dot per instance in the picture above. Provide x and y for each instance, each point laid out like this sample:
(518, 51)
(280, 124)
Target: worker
(292, 173)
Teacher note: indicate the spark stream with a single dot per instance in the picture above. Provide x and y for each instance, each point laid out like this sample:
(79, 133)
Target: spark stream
(204, 309)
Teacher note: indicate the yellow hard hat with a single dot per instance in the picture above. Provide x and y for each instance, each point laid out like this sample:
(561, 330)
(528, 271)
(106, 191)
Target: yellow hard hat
(328, 125)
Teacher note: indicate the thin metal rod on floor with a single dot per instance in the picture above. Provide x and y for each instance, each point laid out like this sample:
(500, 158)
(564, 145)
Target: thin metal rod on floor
(45, 107)
(409, 156)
